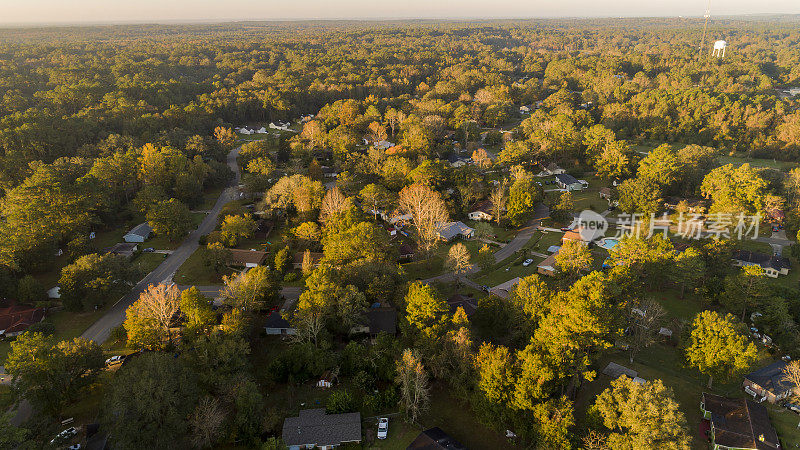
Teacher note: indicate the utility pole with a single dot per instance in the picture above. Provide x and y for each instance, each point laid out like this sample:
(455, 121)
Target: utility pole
(705, 27)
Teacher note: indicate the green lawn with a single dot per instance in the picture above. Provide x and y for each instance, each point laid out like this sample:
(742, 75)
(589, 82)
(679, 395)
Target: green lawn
(737, 158)
(147, 262)
(194, 272)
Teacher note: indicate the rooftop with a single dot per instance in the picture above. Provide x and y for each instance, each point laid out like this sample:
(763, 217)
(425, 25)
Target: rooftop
(740, 423)
(762, 259)
(566, 178)
(248, 256)
(314, 427)
(770, 378)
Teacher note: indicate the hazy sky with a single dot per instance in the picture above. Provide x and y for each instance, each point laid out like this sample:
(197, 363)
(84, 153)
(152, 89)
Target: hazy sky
(48, 11)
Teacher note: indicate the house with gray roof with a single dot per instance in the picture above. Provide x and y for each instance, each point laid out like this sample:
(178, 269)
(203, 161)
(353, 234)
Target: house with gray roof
(139, 233)
(313, 428)
(768, 382)
(568, 182)
(451, 230)
(773, 265)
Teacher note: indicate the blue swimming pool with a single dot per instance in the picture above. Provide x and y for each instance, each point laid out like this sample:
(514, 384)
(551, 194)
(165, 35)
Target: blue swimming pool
(607, 243)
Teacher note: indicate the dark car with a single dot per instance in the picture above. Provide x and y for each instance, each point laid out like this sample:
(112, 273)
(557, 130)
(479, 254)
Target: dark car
(148, 250)
(792, 407)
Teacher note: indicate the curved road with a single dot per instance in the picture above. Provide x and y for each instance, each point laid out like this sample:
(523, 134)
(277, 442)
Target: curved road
(100, 330)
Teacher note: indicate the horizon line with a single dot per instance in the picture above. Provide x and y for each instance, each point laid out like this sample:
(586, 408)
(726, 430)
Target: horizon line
(213, 21)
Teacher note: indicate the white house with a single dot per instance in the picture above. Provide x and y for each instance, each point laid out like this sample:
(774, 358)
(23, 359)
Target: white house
(772, 265)
(139, 233)
(481, 211)
(451, 230)
(383, 145)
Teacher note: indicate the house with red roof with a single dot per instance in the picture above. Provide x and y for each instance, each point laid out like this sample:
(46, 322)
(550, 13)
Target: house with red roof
(16, 318)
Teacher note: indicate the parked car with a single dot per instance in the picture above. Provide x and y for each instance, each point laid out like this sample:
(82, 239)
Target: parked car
(485, 288)
(565, 229)
(69, 433)
(75, 447)
(148, 250)
(383, 427)
(527, 262)
(792, 407)
(114, 360)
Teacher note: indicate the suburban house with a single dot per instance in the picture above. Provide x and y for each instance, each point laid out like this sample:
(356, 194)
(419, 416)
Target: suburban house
(139, 233)
(695, 206)
(503, 290)
(773, 265)
(395, 218)
(297, 260)
(313, 428)
(574, 235)
(451, 230)
(524, 109)
(550, 169)
(384, 145)
(126, 249)
(276, 324)
(568, 182)
(405, 252)
(248, 258)
(482, 211)
(378, 319)
(738, 424)
(16, 318)
(768, 382)
(548, 266)
(435, 439)
(467, 303)
(457, 161)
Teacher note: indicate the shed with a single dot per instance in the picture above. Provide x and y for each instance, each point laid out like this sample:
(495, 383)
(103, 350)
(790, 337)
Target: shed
(615, 371)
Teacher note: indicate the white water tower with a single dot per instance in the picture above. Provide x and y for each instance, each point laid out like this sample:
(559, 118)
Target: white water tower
(719, 49)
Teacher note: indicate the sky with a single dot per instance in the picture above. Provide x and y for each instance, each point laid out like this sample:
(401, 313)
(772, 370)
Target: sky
(112, 11)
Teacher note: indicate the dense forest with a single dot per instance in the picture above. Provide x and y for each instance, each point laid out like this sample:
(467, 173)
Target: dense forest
(104, 127)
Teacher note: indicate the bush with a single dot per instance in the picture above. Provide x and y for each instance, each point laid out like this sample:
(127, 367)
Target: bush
(119, 335)
(340, 402)
(290, 277)
(46, 328)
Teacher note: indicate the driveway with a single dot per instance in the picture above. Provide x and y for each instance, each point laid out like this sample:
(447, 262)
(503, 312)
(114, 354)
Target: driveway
(100, 330)
(524, 235)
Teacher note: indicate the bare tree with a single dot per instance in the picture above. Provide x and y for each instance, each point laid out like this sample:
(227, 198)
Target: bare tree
(309, 325)
(394, 118)
(458, 261)
(427, 210)
(413, 381)
(791, 374)
(248, 291)
(333, 203)
(206, 422)
(644, 325)
(498, 199)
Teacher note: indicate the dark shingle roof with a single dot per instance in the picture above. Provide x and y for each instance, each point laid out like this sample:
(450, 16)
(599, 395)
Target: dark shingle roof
(740, 423)
(143, 229)
(770, 378)
(762, 259)
(566, 178)
(314, 427)
(467, 303)
(382, 319)
(435, 439)
(276, 320)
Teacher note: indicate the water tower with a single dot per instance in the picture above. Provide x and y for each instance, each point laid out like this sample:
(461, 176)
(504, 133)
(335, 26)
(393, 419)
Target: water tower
(719, 49)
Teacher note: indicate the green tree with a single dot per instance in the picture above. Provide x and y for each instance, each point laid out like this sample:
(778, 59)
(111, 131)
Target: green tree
(196, 311)
(642, 416)
(30, 290)
(425, 309)
(485, 258)
(52, 374)
(156, 416)
(717, 348)
(563, 210)
(638, 195)
(283, 260)
(251, 290)
(661, 167)
(735, 190)
(522, 198)
(11, 436)
(170, 218)
(216, 256)
(744, 288)
(375, 197)
(149, 319)
(92, 280)
(573, 259)
(235, 228)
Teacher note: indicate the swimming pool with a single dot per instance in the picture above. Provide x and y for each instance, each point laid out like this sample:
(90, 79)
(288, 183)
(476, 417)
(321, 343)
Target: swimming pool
(608, 243)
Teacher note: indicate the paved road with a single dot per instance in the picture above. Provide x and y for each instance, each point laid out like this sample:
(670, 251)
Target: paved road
(100, 330)
(524, 235)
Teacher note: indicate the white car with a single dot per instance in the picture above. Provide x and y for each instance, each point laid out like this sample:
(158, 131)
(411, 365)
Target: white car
(114, 360)
(383, 427)
(75, 447)
(69, 433)
(527, 262)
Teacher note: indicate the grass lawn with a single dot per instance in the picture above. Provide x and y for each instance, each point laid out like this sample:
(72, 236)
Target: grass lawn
(209, 199)
(162, 243)
(786, 424)
(5, 397)
(401, 434)
(194, 272)
(737, 158)
(457, 419)
(147, 262)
